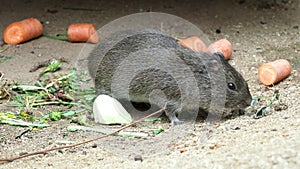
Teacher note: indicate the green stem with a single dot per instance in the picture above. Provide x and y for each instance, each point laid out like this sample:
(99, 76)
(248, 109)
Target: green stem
(62, 34)
(5, 58)
(15, 105)
(51, 103)
(15, 122)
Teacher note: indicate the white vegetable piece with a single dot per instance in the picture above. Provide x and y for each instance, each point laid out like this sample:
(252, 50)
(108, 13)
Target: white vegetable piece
(108, 110)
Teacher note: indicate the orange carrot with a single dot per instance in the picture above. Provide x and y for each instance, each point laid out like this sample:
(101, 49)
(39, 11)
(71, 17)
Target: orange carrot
(223, 46)
(18, 32)
(82, 33)
(273, 72)
(194, 43)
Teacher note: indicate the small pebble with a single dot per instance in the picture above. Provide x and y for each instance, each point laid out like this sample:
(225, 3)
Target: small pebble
(94, 146)
(52, 11)
(138, 158)
(182, 150)
(285, 134)
(259, 50)
(62, 151)
(22, 153)
(72, 151)
(235, 128)
(263, 22)
(211, 147)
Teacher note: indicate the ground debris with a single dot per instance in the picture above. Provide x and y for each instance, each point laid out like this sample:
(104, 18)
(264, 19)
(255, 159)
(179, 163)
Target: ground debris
(39, 65)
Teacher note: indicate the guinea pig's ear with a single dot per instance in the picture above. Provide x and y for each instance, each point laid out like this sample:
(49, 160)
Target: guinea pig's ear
(213, 66)
(219, 54)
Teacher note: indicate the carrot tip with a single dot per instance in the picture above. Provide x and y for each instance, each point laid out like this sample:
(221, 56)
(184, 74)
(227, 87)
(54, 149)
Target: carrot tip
(223, 46)
(194, 43)
(273, 72)
(267, 75)
(18, 32)
(82, 33)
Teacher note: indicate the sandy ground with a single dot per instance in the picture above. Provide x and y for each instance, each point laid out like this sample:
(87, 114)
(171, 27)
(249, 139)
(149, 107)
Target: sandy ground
(260, 31)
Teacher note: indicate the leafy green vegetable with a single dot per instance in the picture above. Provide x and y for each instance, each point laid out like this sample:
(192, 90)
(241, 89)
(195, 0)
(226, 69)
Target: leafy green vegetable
(108, 110)
(63, 89)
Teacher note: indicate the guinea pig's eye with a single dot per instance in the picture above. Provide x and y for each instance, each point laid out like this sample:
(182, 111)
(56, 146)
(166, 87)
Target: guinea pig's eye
(231, 86)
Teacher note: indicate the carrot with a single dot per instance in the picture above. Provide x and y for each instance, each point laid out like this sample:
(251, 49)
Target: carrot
(82, 33)
(194, 43)
(223, 46)
(18, 32)
(273, 72)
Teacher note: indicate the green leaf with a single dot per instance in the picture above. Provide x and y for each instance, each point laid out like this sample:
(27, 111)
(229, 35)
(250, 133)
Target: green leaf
(27, 87)
(72, 113)
(52, 89)
(82, 120)
(15, 105)
(19, 99)
(157, 131)
(54, 66)
(43, 119)
(151, 119)
(5, 58)
(55, 115)
(69, 114)
(15, 122)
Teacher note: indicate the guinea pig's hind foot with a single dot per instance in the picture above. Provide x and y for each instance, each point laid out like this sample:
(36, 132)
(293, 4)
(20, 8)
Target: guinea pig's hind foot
(171, 111)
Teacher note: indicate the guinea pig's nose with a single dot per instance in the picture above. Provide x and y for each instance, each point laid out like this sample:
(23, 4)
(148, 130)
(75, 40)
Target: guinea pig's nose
(247, 101)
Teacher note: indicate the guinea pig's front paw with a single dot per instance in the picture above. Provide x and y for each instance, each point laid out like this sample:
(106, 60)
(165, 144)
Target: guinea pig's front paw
(171, 111)
(173, 118)
(176, 122)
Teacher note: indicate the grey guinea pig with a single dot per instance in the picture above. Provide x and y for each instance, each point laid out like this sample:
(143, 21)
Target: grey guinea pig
(148, 70)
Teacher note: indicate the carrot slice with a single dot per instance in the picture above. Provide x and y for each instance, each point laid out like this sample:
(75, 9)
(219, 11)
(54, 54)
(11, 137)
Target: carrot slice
(82, 33)
(273, 72)
(18, 32)
(194, 43)
(223, 46)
